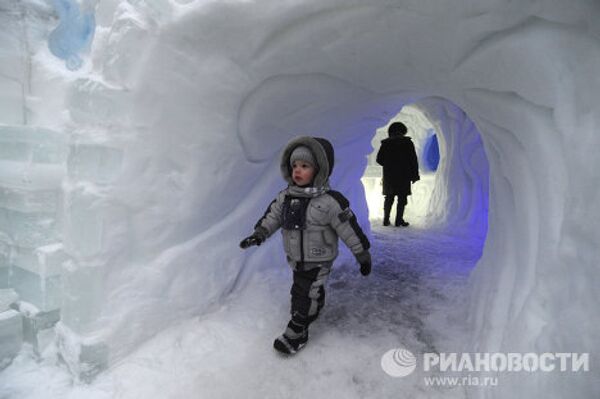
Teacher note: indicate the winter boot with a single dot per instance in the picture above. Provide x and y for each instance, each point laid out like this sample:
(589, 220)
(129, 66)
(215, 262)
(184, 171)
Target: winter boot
(290, 346)
(292, 340)
(400, 215)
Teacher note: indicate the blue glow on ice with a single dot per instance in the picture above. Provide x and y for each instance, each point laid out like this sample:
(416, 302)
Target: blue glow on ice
(73, 34)
(432, 153)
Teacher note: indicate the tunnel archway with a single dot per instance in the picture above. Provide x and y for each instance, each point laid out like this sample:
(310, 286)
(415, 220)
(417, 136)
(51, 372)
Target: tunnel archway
(284, 98)
(350, 88)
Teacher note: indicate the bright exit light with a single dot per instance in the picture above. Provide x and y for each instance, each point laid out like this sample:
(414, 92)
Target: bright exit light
(422, 133)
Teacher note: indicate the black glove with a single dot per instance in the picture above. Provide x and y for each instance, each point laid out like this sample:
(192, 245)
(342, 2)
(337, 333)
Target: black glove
(364, 258)
(257, 238)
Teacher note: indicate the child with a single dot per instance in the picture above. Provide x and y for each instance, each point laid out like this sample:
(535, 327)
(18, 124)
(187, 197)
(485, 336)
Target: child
(312, 217)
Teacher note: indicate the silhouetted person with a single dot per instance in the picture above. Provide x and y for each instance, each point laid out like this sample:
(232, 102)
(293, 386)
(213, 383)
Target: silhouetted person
(400, 168)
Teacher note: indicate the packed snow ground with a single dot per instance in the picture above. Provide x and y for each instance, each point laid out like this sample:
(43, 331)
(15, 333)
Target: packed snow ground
(412, 300)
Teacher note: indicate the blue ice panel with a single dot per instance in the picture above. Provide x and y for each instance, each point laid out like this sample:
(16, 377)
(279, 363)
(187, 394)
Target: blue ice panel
(432, 153)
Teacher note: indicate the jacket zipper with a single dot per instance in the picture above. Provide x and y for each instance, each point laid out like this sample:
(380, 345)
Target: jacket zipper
(302, 247)
(302, 232)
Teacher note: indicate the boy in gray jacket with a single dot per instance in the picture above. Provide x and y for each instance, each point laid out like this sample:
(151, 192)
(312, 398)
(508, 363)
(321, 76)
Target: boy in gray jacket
(311, 217)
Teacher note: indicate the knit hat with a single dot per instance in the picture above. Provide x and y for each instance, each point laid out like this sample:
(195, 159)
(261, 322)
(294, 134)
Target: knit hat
(322, 152)
(302, 153)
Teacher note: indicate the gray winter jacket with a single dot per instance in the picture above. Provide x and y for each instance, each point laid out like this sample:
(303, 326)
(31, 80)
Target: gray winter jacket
(311, 219)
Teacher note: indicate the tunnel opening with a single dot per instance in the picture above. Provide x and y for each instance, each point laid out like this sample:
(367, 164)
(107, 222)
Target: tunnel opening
(452, 193)
(420, 131)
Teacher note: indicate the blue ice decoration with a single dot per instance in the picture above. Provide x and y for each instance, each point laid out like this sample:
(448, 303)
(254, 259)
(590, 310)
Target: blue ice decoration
(74, 33)
(432, 153)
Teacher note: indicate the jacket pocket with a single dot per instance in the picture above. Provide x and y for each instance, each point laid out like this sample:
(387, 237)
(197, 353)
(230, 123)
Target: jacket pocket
(317, 215)
(318, 248)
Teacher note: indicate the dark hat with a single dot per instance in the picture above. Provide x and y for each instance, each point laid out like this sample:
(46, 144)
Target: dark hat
(397, 129)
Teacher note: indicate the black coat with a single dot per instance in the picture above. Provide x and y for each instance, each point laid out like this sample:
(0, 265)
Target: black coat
(400, 166)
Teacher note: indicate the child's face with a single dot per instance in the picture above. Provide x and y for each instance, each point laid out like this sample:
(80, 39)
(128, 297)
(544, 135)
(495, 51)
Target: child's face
(302, 173)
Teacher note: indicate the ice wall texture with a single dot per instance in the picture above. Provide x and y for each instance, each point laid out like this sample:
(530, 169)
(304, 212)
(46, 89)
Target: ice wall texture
(12, 66)
(209, 92)
(32, 166)
(461, 188)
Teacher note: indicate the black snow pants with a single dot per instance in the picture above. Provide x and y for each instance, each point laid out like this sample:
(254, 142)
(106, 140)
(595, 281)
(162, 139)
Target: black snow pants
(308, 296)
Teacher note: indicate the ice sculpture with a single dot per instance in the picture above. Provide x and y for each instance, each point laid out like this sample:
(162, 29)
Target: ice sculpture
(75, 31)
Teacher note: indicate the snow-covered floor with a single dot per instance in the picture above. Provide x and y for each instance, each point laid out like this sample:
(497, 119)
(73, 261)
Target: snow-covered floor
(412, 300)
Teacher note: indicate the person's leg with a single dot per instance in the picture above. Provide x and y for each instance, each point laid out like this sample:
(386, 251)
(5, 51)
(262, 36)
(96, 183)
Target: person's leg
(387, 209)
(400, 211)
(316, 292)
(308, 298)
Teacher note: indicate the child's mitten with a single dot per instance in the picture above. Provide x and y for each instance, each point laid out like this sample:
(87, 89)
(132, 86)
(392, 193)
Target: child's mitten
(258, 237)
(364, 258)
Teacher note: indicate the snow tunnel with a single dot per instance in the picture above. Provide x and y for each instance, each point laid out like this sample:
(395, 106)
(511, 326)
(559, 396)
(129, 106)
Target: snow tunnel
(166, 140)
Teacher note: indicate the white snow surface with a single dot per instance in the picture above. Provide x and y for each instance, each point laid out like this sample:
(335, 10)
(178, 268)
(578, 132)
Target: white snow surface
(418, 277)
(174, 128)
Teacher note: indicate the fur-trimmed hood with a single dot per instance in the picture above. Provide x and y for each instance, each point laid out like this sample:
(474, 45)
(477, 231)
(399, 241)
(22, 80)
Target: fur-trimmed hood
(322, 151)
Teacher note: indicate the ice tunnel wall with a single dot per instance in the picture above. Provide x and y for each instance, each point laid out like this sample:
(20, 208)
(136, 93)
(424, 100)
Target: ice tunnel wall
(175, 121)
(459, 198)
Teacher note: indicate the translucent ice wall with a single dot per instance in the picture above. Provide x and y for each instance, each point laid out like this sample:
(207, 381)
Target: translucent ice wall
(174, 123)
